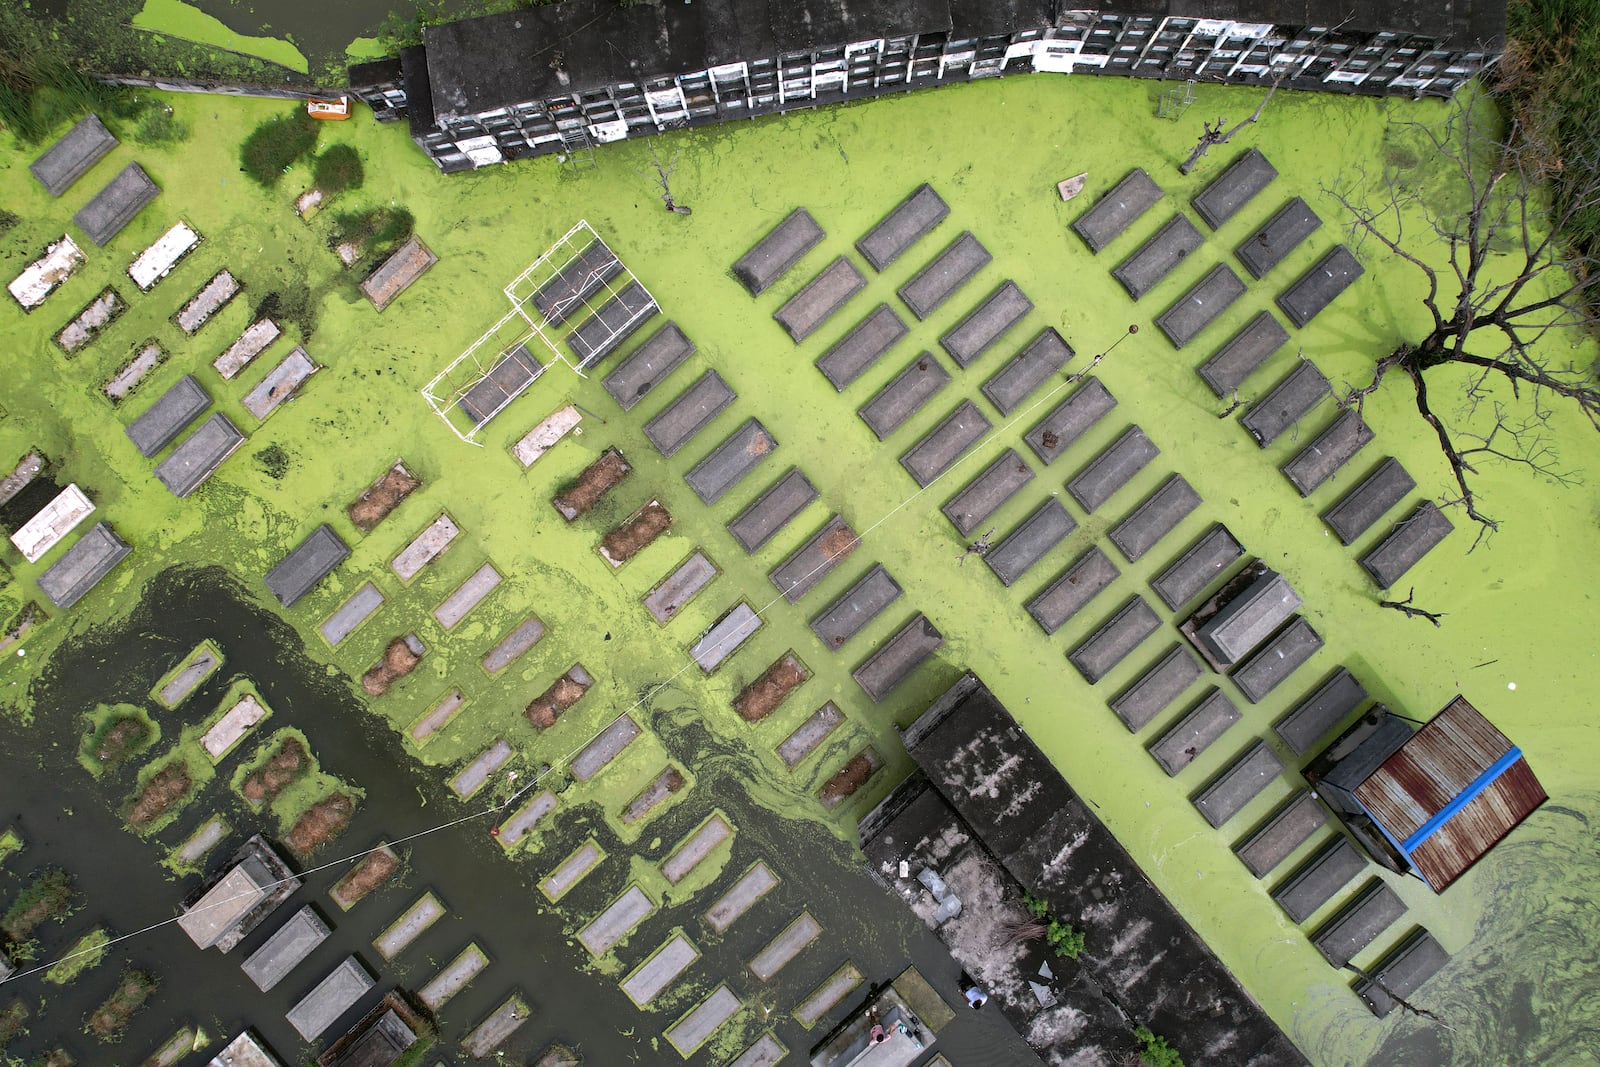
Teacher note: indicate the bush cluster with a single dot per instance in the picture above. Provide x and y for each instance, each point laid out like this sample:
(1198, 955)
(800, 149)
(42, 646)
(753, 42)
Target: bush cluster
(1063, 938)
(276, 144)
(338, 168)
(1154, 1050)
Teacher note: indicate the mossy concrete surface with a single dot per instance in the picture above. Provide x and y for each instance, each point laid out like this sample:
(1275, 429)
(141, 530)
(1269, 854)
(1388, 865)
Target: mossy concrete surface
(1515, 639)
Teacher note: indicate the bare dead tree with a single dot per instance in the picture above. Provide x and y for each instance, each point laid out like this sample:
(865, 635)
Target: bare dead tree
(1214, 135)
(1401, 1002)
(662, 177)
(1410, 611)
(1504, 289)
(980, 547)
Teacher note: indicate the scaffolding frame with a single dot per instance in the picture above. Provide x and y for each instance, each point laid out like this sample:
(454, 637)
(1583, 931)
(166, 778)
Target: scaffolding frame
(1176, 100)
(559, 297)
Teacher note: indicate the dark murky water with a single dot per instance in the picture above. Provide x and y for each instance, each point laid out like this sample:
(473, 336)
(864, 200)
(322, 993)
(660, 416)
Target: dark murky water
(70, 821)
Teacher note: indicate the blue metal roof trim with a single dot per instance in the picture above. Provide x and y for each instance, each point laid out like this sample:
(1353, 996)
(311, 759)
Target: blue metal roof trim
(1467, 795)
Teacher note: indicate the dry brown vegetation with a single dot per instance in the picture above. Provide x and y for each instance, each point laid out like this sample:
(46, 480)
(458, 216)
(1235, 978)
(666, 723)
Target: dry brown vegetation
(547, 707)
(169, 785)
(761, 697)
(322, 822)
(382, 497)
(839, 543)
(629, 539)
(376, 870)
(597, 479)
(851, 776)
(282, 768)
(119, 740)
(397, 662)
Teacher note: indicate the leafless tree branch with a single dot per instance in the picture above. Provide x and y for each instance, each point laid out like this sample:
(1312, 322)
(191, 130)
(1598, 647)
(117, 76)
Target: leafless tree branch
(662, 177)
(1502, 290)
(1410, 611)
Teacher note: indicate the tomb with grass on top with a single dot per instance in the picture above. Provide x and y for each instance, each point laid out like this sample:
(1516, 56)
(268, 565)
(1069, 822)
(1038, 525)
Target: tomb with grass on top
(767, 692)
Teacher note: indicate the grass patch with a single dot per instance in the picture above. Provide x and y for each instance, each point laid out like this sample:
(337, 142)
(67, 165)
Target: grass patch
(107, 1022)
(117, 733)
(1154, 1050)
(39, 91)
(337, 169)
(167, 786)
(161, 126)
(276, 144)
(47, 898)
(85, 953)
(174, 18)
(13, 1022)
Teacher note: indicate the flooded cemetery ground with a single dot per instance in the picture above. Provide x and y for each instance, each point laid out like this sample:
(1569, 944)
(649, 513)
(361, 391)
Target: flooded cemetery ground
(71, 822)
(698, 710)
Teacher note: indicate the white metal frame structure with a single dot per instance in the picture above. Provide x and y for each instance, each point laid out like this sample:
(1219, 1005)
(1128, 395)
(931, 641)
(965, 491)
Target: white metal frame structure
(594, 278)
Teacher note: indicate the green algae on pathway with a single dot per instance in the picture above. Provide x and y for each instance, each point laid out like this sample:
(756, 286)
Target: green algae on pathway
(1508, 602)
(177, 19)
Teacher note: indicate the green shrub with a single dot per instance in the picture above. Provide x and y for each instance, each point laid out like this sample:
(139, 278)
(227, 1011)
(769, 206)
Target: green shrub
(273, 146)
(1066, 940)
(1154, 1050)
(12, 1018)
(338, 168)
(1036, 907)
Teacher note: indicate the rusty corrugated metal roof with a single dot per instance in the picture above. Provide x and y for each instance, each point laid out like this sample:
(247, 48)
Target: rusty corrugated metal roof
(1451, 792)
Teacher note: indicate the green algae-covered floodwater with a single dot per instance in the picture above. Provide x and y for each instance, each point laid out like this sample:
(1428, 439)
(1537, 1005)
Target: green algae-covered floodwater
(1514, 639)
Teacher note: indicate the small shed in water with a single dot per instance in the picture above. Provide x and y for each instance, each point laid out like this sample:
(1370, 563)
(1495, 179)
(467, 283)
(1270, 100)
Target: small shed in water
(1431, 802)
